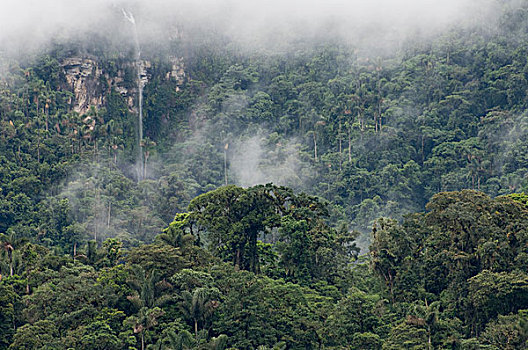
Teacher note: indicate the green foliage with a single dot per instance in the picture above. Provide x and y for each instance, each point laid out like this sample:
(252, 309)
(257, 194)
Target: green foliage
(7, 314)
(39, 335)
(92, 258)
(235, 219)
(507, 332)
(407, 336)
(260, 311)
(464, 253)
(174, 294)
(355, 320)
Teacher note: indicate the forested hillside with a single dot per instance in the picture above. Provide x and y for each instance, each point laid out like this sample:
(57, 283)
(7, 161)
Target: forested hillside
(200, 195)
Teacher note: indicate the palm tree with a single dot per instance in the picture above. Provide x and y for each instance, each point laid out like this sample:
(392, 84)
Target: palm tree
(198, 305)
(178, 234)
(218, 343)
(184, 340)
(8, 248)
(145, 319)
(146, 300)
(181, 341)
(147, 288)
(279, 346)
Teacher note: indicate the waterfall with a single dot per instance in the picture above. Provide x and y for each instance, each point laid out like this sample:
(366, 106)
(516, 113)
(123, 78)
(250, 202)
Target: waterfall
(140, 166)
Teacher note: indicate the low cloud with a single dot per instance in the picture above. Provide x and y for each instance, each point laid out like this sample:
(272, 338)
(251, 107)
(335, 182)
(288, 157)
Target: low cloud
(259, 160)
(27, 25)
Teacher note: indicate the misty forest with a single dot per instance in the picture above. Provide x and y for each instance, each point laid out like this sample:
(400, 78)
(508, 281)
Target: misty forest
(220, 175)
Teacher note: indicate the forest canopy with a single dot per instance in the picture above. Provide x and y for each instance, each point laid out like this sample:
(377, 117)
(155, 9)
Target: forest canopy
(453, 277)
(197, 194)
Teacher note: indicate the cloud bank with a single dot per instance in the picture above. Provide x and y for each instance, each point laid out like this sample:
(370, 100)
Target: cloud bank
(32, 24)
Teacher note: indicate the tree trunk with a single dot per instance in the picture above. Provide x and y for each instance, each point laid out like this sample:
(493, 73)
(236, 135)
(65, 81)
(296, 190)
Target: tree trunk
(429, 345)
(340, 149)
(315, 145)
(423, 146)
(349, 144)
(96, 209)
(109, 212)
(196, 327)
(145, 159)
(237, 259)
(360, 120)
(225, 165)
(38, 146)
(10, 253)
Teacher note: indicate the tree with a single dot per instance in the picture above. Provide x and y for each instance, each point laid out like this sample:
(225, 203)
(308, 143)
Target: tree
(99, 335)
(357, 316)
(233, 219)
(407, 335)
(40, 335)
(145, 319)
(8, 299)
(494, 293)
(7, 248)
(463, 253)
(257, 310)
(506, 332)
(178, 233)
(199, 305)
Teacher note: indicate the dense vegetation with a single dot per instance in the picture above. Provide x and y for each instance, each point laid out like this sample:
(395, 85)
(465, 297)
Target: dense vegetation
(260, 267)
(92, 258)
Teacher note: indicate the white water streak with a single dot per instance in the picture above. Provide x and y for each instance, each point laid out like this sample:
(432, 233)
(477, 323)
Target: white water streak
(140, 166)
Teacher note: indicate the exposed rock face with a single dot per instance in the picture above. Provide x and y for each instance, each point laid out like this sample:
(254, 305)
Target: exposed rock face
(82, 74)
(178, 70)
(88, 81)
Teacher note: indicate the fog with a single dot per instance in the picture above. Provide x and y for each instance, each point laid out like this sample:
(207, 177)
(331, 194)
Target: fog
(253, 161)
(27, 25)
(30, 26)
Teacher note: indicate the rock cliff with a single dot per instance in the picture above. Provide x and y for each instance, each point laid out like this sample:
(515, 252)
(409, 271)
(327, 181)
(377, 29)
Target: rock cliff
(89, 81)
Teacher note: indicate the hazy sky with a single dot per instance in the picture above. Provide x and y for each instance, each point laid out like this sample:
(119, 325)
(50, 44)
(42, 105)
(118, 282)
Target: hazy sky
(26, 24)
